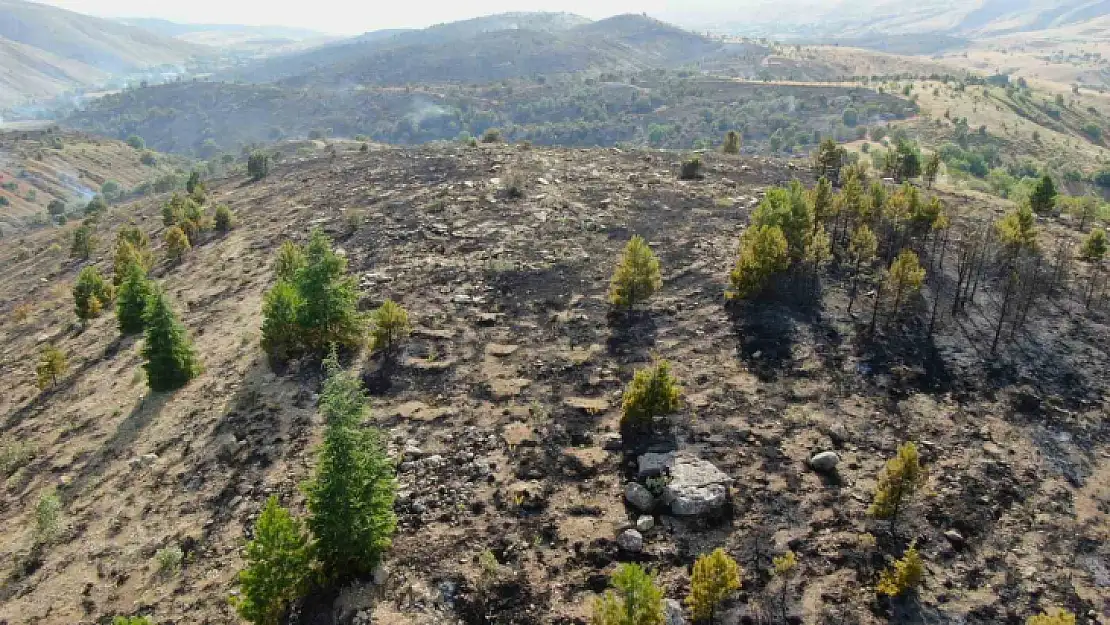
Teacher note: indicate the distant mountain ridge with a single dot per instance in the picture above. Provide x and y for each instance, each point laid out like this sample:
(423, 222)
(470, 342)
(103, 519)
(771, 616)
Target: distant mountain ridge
(45, 50)
(489, 48)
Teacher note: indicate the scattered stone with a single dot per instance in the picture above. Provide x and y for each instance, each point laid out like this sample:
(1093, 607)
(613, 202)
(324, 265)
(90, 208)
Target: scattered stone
(673, 610)
(824, 462)
(839, 434)
(412, 452)
(611, 442)
(653, 464)
(226, 447)
(499, 350)
(631, 541)
(644, 523)
(696, 487)
(639, 497)
(955, 538)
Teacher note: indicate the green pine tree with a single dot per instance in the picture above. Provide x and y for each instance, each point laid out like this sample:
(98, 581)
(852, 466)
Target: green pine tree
(637, 600)
(280, 332)
(132, 300)
(350, 497)
(278, 565)
(637, 275)
(328, 314)
(1043, 198)
(90, 294)
(168, 355)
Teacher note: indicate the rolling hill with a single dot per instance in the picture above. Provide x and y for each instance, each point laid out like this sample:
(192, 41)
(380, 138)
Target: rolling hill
(46, 50)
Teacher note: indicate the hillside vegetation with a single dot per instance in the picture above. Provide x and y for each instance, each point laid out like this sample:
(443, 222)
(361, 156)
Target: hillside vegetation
(540, 445)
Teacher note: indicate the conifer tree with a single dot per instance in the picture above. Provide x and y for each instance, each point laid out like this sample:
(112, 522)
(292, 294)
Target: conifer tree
(636, 601)
(932, 169)
(224, 220)
(177, 243)
(132, 246)
(52, 364)
(278, 565)
(281, 336)
(861, 249)
(84, 242)
(1043, 198)
(715, 577)
(328, 313)
(785, 567)
(132, 300)
(290, 259)
(732, 143)
(904, 279)
(90, 294)
(1094, 246)
(1018, 231)
(654, 392)
(906, 574)
(822, 201)
(900, 480)
(637, 276)
(389, 326)
(764, 252)
(350, 497)
(168, 355)
(790, 210)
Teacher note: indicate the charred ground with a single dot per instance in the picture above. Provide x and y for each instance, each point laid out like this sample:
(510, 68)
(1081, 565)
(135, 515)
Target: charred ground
(500, 409)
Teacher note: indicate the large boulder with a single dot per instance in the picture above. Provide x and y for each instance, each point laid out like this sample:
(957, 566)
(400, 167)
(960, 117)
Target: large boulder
(631, 541)
(696, 487)
(825, 462)
(639, 497)
(653, 464)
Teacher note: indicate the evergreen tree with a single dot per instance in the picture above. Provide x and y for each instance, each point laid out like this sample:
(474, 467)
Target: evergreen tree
(904, 279)
(791, 211)
(280, 332)
(1043, 198)
(350, 497)
(1094, 246)
(192, 182)
(637, 276)
(763, 253)
(84, 242)
(290, 260)
(861, 249)
(90, 294)
(732, 143)
(258, 165)
(389, 326)
(654, 392)
(900, 480)
(224, 220)
(907, 574)
(278, 564)
(932, 169)
(715, 577)
(177, 243)
(52, 363)
(1018, 231)
(637, 600)
(132, 246)
(327, 314)
(132, 300)
(168, 355)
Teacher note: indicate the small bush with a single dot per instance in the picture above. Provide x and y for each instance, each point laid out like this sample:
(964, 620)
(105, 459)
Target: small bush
(515, 185)
(136, 142)
(637, 276)
(48, 519)
(132, 620)
(389, 326)
(691, 169)
(715, 577)
(169, 560)
(290, 259)
(1055, 617)
(149, 159)
(653, 392)
(14, 455)
(905, 575)
(21, 313)
(492, 135)
(224, 220)
(51, 365)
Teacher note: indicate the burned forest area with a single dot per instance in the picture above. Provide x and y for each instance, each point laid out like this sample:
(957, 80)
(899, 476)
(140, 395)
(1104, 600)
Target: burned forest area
(971, 329)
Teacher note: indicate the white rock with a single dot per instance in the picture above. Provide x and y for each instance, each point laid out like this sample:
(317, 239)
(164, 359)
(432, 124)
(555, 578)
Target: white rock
(674, 613)
(644, 523)
(696, 487)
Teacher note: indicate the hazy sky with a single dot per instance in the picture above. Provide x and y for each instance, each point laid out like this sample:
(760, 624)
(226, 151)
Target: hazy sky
(355, 16)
